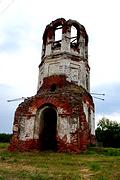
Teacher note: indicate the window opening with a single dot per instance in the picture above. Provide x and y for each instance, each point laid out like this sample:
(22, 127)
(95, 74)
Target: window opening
(73, 39)
(57, 38)
(58, 33)
(53, 87)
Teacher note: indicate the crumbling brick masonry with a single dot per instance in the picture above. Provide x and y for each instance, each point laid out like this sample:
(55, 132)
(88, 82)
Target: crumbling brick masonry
(60, 116)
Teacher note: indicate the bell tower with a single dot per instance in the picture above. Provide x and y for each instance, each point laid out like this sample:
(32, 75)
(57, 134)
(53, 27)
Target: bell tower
(68, 55)
(60, 116)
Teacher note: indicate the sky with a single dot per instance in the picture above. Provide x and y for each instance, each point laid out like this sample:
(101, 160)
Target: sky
(22, 23)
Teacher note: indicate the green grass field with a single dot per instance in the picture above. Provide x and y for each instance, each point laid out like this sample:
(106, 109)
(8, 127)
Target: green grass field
(96, 164)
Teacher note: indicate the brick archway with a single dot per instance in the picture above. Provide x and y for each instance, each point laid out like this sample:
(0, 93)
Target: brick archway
(48, 124)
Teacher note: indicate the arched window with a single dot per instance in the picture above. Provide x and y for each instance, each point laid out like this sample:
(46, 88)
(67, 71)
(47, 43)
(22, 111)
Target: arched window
(57, 38)
(58, 33)
(74, 38)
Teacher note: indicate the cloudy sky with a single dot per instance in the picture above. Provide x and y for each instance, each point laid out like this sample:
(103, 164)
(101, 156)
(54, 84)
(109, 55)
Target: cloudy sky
(22, 23)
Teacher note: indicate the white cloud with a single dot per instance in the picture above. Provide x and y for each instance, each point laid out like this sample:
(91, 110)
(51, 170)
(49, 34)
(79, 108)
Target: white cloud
(4, 4)
(31, 17)
(19, 70)
(22, 27)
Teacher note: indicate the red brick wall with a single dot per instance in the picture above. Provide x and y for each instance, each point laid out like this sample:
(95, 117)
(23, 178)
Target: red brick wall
(66, 96)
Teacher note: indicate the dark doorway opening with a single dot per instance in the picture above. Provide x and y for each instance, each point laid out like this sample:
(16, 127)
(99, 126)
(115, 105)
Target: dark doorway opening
(49, 118)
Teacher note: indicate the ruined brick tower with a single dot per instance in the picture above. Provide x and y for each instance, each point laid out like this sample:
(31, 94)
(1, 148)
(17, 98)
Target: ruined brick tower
(61, 115)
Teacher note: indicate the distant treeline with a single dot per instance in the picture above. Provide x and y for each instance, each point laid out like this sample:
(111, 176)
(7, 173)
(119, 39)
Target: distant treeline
(5, 137)
(108, 133)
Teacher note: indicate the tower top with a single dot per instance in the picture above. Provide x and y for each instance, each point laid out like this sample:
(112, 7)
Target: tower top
(65, 52)
(65, 36)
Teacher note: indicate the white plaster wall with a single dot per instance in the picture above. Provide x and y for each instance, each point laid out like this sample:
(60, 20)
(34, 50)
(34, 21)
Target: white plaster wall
(29, 128)
(37, 126)
(92, 123)
(53, 69)
(61, 111)
(22, 128)
(37, 130)
(82, 47)
(66, 125)
(74, 125)
(40, 77)
(64, 128)
(92, 117)
(74, 71)
(65, 42)
(48, 50)
(86, 110)
(26, 128)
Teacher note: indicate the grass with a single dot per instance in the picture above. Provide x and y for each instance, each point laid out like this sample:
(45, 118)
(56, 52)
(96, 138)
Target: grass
(96, 164)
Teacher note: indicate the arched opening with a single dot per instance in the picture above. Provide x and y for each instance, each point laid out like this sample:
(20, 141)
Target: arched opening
(49, 124)
(58, 33)
(74, 37)
(57, 38)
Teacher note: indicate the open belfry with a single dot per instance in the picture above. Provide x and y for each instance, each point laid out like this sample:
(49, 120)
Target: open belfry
(60, 117)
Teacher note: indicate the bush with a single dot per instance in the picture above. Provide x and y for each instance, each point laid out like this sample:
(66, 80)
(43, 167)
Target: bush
(5, 137)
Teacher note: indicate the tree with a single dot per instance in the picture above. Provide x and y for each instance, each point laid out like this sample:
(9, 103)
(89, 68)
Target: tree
(108, 132)
(5, 137)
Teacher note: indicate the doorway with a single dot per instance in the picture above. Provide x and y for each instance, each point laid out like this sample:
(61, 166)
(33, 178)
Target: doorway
(49, 121)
